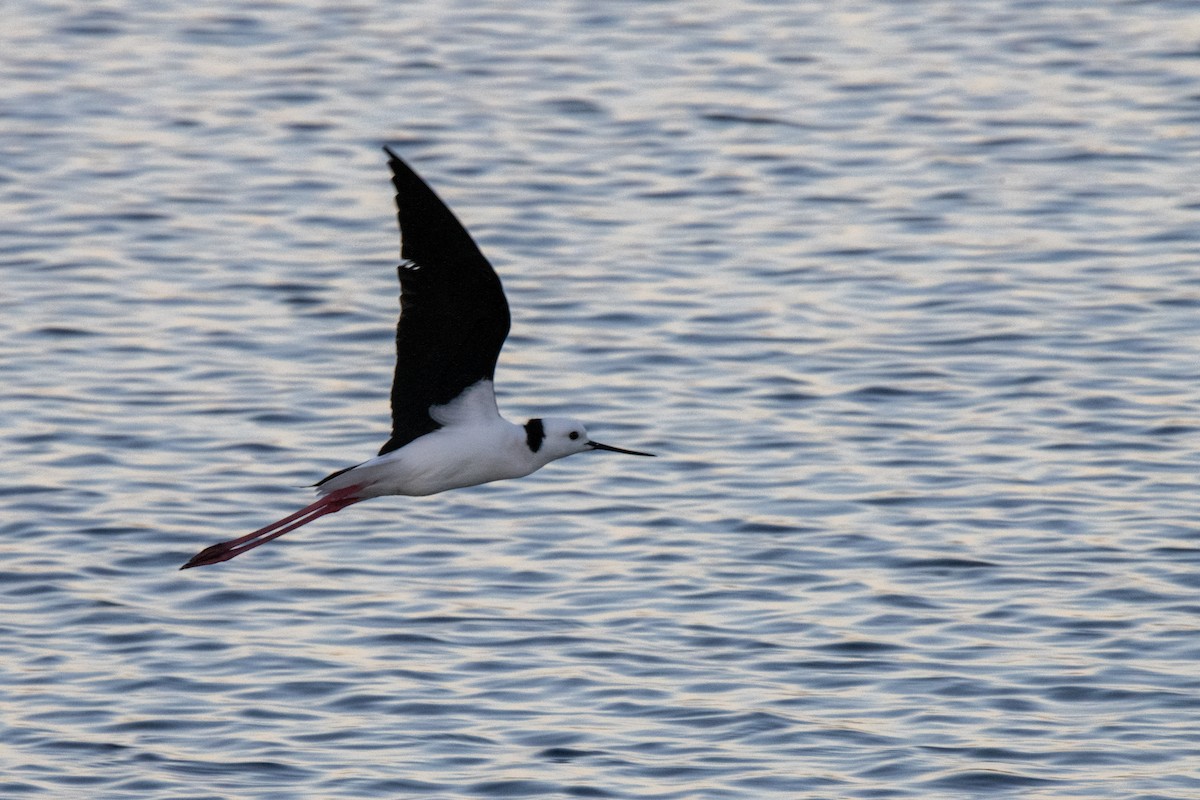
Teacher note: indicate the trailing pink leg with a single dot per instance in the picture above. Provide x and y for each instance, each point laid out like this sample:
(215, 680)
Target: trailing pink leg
(223, 551)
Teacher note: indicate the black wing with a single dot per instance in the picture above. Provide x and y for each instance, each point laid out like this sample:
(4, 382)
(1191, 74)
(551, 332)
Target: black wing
(453, 315)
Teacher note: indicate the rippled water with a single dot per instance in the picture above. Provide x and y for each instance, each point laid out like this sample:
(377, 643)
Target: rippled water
(904, 295)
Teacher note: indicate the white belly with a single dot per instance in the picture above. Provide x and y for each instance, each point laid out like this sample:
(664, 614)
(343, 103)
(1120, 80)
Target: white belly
(449, 458)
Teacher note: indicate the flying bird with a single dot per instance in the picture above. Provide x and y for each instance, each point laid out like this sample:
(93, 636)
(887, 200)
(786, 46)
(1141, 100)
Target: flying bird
(447, 431)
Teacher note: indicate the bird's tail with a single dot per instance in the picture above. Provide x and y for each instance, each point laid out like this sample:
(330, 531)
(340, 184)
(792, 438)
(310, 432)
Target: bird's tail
(223, 551)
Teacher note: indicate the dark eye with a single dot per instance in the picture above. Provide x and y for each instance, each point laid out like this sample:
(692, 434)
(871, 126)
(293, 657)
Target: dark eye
(574, 435)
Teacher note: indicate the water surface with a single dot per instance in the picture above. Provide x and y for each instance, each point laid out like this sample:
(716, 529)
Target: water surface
(904, 295)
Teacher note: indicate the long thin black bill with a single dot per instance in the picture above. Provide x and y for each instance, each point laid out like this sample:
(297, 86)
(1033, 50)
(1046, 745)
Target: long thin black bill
(598, 446)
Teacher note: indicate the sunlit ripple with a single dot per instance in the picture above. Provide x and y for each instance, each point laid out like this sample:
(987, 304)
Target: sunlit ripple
(904, 296)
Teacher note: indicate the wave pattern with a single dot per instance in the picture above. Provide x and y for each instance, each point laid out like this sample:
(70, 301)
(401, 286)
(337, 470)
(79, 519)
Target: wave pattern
(904, 295)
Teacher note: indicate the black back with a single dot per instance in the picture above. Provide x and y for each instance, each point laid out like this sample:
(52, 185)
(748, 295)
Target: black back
(453, 314)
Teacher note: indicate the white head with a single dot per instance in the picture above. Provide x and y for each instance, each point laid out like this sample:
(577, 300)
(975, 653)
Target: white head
(553, 438)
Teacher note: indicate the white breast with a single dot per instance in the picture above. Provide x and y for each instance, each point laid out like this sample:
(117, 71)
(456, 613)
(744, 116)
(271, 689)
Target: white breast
(448, 458)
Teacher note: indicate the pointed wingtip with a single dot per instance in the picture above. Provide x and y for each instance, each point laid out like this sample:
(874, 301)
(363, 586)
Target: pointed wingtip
(390, 153)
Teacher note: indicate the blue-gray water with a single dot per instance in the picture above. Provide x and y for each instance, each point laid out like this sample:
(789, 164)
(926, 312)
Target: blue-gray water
(906, 296)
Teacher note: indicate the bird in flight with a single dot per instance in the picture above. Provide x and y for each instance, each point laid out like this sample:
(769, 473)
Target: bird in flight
(447, 432)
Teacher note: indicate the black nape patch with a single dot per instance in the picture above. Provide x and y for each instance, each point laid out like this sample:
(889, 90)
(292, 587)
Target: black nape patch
(534, 434)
